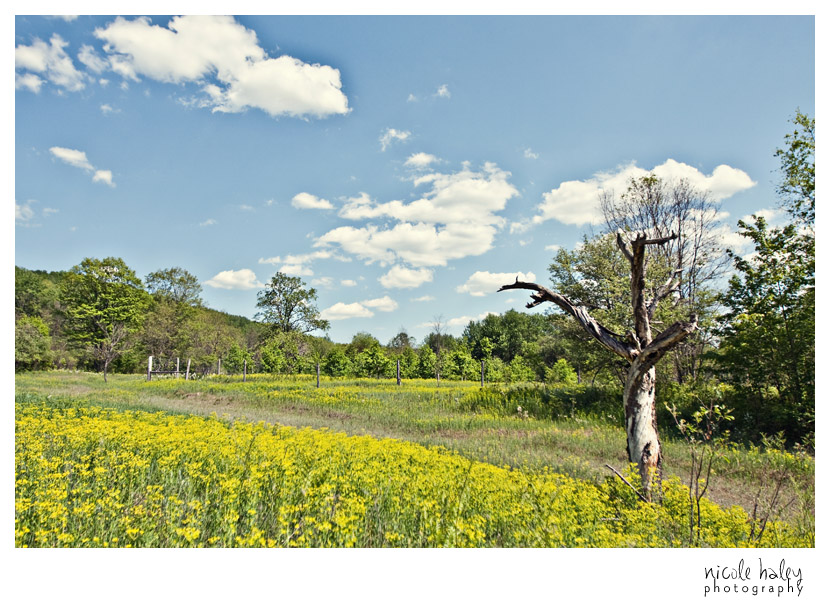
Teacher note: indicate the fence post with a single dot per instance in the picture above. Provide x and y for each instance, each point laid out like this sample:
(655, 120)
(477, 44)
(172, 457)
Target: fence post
(318, 375)
(482, 373)
(177, 368)
(187, 374)
(244, 370)
(219, 367)
(398, 371)
(149, 366)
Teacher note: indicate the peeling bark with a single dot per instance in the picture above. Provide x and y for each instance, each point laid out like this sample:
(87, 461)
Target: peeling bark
(638, 347)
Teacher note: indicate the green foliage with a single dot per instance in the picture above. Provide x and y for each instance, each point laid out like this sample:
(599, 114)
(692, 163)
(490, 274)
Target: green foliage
(561, 372)
(798, 168)
(175, 284)
(105, 306)
(427, 362)
(337, 363)
(32, 344)
(288, 305)
(767, 350)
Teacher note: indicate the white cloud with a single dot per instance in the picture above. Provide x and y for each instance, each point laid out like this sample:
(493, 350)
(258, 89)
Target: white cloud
(106, 108)
(341, 310)
(22, 213)
(412, 98)
(454, 219)
(303, 258)
(553, 247)
(235, 279)
(529, 154)
(420, 160)
(348, 283)
(199, 47)
(482, 283)
(49, 60)
(577, 202)
(28, 81)
(401, 277)
(768, 214)
(443, 91)
(103, 176)
(208, 222)
(391, 134)
(296, 270)
(385, 304)
(323, 282)
(89, 58)
(426, 298)
(49, 211)
(304, 200)
(465, 319)
(78, 159)
(73, 157)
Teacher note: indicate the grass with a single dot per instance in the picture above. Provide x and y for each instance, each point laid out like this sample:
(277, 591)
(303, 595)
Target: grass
(479, 426)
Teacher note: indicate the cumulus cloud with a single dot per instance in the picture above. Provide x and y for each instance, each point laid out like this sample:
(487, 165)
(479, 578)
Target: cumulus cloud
(22, 213)
(463, 320)
(455, 218)
(401, 277)
(348, 282)
(235, 279)
(304, 200)
(530, 155)
(443, 91)
(78, 159)
(326, 282)
(48, 60)
(385, 304)
(577, 202)
(341, 310)
(426, 298)
(28, 81)
(482, 283)
(226, 59)
(297, 265)
(420, 160)
(208, 222)
(103, 176)
(391, 135)
(364, 308)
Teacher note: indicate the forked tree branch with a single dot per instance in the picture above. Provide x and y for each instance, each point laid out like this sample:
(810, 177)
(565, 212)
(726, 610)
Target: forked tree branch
(580, 313)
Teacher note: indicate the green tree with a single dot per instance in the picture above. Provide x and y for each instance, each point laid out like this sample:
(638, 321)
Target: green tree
(32, 344)
(336, 363)
(767, 348)
(176, 285)
(288, 306)
(105, 307)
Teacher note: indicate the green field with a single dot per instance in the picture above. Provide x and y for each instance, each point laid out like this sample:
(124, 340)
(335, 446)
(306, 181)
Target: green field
(480, 429)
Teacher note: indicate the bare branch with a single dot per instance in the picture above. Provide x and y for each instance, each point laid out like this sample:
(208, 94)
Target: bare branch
(616, 472)
(621, 244)
(667, 339)
(663, 291)
(580, 313)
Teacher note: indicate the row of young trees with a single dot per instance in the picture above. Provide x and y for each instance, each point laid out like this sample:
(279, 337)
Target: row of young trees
(752, 344)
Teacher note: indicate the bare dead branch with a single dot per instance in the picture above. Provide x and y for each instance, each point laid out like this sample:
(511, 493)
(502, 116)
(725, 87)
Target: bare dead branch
(624, 480)
(580, 313)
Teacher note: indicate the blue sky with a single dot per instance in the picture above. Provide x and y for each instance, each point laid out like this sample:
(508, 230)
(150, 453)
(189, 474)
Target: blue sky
(403, 166)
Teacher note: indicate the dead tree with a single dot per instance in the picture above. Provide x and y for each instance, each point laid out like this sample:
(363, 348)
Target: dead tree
(639, 348)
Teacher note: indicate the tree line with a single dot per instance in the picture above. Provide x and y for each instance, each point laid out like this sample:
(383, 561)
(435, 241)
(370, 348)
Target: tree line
(753, 346)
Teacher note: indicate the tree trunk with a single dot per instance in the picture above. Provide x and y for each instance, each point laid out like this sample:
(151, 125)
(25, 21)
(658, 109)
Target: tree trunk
(641, 424)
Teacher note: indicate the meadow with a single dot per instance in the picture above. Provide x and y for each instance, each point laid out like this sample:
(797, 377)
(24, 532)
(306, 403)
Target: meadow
(275, 461)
